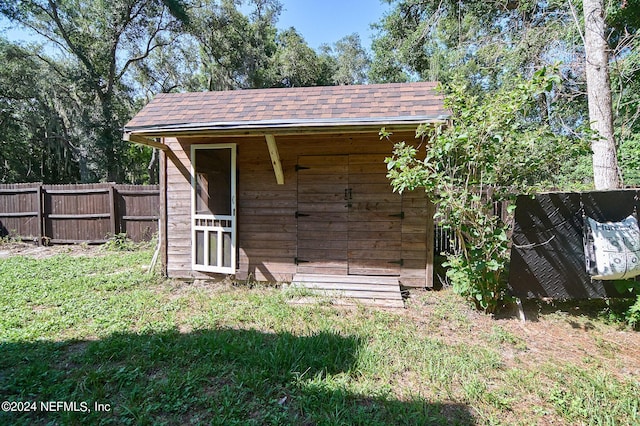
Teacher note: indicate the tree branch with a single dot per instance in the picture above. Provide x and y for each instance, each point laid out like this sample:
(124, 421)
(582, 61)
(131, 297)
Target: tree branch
(150, 46)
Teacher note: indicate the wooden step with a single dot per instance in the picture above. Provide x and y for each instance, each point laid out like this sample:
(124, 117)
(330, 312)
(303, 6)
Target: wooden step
(351, 289)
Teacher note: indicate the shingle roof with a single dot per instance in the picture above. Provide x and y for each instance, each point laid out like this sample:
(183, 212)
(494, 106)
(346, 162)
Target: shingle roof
(304, 106)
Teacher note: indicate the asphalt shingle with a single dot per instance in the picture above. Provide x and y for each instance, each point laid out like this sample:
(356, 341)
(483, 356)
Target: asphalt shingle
(363, 102)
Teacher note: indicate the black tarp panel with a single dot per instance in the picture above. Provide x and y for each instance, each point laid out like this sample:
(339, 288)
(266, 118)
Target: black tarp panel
(547, 255)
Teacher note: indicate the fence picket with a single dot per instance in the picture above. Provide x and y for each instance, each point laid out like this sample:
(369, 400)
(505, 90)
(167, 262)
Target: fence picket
(78, 213)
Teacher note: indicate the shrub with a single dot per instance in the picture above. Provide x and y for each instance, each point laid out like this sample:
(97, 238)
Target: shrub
(493, 148)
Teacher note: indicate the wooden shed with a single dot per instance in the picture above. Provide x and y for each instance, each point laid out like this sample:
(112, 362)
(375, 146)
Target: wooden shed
(278, 184)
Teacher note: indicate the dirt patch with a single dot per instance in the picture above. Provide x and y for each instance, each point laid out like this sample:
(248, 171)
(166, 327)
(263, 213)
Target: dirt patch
(41, 252)
(554, 337)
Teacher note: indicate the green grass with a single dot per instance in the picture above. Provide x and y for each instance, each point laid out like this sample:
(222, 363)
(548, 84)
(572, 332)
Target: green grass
(100, 330)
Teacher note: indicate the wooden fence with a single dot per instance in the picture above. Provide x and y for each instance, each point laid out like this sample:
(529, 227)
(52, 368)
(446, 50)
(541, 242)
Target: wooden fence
(69, 214)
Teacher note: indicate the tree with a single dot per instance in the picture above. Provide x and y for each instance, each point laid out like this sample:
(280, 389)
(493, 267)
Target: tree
(235, 50)
(103, 40)
(37, 142)
(623, 22)
(351, 61)
(485, 43)
(605, 162)
(296, 64)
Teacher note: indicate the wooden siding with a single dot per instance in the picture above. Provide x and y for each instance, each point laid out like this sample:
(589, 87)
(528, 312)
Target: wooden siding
(376, 248)
(78, 213)
(323, 214)
(270, 237)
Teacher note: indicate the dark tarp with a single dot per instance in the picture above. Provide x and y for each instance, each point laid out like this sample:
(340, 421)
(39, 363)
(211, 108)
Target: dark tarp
(547, 255)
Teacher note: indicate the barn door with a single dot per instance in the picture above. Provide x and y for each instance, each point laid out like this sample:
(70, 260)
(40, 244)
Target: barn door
(375, 218)
(214, 208)
(322, 214)
(349, 219)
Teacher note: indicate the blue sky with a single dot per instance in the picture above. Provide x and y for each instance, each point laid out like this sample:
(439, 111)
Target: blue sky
(318, 21)
(327, 21)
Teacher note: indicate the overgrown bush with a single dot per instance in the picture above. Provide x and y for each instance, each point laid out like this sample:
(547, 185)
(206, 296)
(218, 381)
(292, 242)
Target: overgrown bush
(493, 148)
(632, 315)
(120, 242)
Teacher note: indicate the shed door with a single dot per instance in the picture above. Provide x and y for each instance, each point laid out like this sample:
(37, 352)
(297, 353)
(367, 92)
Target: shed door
(323, 214)
(349, 219)
(214, 208)
(375, 218)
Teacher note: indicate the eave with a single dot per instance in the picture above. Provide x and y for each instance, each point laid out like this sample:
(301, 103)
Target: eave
(252, 128)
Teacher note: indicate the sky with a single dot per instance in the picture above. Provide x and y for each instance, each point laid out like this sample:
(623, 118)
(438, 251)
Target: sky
(319, 21)
(327, 21)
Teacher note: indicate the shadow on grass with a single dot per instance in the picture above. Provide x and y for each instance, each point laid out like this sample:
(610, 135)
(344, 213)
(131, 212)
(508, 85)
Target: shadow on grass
(225, 376)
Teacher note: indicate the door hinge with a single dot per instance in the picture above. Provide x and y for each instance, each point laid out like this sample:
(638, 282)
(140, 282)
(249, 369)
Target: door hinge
(298, 261)
(398, 262)
(299, 167)
(400, 215)
(298, 214)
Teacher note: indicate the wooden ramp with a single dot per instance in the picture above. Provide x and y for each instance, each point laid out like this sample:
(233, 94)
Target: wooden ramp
(352, 289)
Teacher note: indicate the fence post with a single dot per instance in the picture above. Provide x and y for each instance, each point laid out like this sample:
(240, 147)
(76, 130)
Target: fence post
(112, 210)
(40, 202)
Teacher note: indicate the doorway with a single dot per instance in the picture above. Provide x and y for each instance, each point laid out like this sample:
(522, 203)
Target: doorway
(214, 208)
(349, 219)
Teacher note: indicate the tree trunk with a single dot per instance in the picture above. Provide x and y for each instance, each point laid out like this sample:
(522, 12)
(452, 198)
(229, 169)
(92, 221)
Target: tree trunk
(605, 162)
(152, 168)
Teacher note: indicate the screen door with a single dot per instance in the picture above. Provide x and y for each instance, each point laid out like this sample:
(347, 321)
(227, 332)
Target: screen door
(214, 208)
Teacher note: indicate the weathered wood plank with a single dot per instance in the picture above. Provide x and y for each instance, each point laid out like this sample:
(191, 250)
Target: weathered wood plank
(320, 198)
(393, 243)
(371, 216)
(249, 203)
(345, 279)
(332, 244)
(387, 291)
(393, 304)
(265, 219)
(376, 268)
(321, 256)
(381, 291)
(389, 225)
(356, 294)
(267, 195)
(275, 158)
(313, 208)
(338, 226)
(251, 244)
(324, 268)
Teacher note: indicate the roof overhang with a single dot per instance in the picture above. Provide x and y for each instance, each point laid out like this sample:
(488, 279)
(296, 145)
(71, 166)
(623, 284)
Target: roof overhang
(147, 134)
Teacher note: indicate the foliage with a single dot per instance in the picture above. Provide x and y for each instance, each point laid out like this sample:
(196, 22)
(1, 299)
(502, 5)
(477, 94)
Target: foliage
(99, 43)
(625, 76)
(296, 64)
(629, 313)
(351, 61)
(485, 43)
(120, 242)
(632, 315)
(35, 107)
(230, 49)
(494, 148)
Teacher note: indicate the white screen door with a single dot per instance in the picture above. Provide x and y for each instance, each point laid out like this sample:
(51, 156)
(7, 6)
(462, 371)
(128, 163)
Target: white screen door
(214, 208)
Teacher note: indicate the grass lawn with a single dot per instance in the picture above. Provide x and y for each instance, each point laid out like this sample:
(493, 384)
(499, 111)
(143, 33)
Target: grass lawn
(93, 339)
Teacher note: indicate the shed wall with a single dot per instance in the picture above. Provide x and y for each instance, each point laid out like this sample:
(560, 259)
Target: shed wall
(267, 224)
